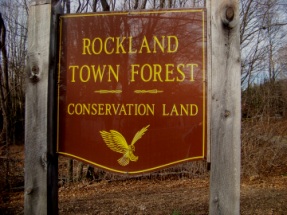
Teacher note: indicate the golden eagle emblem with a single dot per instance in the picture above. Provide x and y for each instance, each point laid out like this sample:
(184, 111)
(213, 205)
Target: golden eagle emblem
(116, 142)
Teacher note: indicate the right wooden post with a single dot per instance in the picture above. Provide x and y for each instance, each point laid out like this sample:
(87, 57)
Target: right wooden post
(224, 81)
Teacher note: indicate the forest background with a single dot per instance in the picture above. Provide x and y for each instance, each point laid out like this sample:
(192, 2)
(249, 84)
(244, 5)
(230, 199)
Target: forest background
(263, 40)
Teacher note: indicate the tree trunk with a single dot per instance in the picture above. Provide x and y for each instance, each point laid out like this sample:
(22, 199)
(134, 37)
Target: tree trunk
(68, 6)
(161, 4)
(94, 5)
(70, 171)
(143, 4)
(90, 173)
(136, 4)
(80, 171)
(4, 88)
(105, 5)
(169, 3)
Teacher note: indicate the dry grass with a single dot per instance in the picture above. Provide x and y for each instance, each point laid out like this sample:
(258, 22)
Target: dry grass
(264, 147)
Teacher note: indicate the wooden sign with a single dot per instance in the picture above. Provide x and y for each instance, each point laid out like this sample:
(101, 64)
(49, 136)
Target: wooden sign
(132, 89)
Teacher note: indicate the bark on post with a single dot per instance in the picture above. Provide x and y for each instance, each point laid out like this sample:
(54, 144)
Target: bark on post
(40, 196)
(224, 60)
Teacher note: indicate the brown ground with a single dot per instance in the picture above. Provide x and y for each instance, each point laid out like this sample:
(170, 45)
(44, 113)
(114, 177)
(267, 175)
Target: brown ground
(175, 196)
(182, 196)
(263, 184)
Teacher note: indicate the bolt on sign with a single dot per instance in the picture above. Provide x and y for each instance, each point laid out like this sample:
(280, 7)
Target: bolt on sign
(132, 89)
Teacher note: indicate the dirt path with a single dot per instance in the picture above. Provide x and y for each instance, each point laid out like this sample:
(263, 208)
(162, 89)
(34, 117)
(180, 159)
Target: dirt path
(266, 196)
(137, 197)
(183, 196)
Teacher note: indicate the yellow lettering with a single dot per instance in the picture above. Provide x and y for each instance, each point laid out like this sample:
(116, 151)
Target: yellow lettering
(149, 70)
(174, 110)
(98, 73)
(133, 71)
(85, 69)
(106, 45)
(73, 72)
(180, 110)
(115, 74)
(71, 105)
(163, 110)
(141, 109)
(101, 109)
(150, 109)
(108, 109)
(78, 109)
(86, 109)
(192, 70)
(195, 108)
(156, 72)
(131, 46)
(119, 45)
(145, 45)
(183, 110)
(172, 47)
(122, 110)
(86, 46)
(168, 72)
(94, 109)
(160, 45)
(99, 45)
(180, 72)
(115, 108)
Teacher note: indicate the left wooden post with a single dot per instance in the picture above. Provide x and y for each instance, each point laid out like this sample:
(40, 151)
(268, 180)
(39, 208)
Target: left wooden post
(41, 162)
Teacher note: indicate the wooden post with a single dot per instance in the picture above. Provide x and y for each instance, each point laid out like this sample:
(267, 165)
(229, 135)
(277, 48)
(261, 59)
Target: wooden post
(224, 80)
(41, 163)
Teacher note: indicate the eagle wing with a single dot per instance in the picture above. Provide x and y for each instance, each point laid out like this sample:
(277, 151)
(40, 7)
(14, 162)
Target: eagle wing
(115, 141)
(139, 134)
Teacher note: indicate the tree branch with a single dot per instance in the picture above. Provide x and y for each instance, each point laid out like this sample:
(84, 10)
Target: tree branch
(105, 5)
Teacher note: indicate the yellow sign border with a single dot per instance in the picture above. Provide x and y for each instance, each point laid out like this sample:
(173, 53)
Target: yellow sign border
(203, 80)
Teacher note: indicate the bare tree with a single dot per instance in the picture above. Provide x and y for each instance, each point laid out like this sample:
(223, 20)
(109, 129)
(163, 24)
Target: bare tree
(272, 31)
(67, 6)
(4, 94)
(143, 6)
(260, 39)
(136, 4)
(14, 13)
(105, 5)
(262, 30)
(4, 86)
(162, 3)
(282, 63)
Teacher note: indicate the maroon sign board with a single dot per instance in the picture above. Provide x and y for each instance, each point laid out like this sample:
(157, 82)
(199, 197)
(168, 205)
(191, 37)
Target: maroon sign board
(132, 89)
